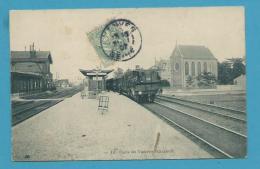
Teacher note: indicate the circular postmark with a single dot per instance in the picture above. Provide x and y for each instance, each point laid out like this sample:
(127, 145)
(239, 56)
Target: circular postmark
(121, 40)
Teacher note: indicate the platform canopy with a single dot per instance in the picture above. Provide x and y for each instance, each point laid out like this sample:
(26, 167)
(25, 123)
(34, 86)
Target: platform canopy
(26, 74)
(95, 72)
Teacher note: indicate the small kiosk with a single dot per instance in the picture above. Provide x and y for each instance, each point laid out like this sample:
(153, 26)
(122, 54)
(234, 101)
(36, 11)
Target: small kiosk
(95, 81)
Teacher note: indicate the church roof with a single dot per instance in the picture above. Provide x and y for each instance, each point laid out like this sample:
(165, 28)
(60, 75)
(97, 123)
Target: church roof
(25, 56)
(196, 52)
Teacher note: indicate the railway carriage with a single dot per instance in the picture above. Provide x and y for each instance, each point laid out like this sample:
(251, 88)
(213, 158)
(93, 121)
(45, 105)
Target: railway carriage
(140, 85)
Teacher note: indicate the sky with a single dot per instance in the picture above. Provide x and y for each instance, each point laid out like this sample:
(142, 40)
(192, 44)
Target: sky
(63, 33)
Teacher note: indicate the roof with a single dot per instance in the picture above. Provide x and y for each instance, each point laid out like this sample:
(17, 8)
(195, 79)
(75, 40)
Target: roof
(95, 72)
(26, 74)
(62, 80)
(23, 56)
(195, 52)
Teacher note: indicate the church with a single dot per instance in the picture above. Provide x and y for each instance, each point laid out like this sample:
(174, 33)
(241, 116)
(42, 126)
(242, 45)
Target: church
(187, 60)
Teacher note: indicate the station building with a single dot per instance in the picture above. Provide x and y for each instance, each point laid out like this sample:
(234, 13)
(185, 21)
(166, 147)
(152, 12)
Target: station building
(62, 83)
(30, 71)
(95, 81)
(240, 81)
(187, 60)
(164, 69)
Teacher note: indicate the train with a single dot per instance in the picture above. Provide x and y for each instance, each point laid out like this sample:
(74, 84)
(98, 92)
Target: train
(140, 85)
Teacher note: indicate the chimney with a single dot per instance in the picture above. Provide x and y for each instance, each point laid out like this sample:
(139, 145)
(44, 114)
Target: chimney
(32, 51)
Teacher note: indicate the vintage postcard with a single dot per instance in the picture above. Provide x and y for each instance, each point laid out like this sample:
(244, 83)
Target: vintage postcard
(128, 83)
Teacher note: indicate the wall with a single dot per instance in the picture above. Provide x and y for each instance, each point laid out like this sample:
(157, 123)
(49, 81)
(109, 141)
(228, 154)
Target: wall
(176, 79)
(240, 81)
(211, 66)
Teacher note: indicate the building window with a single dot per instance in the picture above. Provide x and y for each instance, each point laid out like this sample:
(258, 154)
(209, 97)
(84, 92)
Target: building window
(193, 69)
(199, 68)
(186, 68)
(205, 67)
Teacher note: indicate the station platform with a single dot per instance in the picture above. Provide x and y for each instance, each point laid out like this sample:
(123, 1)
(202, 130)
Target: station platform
(74, 129)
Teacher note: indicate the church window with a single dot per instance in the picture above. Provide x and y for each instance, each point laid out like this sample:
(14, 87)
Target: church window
(193, 69)
(210, 67)
(186, 68)
(177, 66)
(205, 67)
(199, 68)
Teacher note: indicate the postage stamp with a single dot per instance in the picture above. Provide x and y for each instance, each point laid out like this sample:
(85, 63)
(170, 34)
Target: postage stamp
(94, 36)
(121, 40)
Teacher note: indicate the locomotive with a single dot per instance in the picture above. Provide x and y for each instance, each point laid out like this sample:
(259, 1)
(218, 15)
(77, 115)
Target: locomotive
(140, 85)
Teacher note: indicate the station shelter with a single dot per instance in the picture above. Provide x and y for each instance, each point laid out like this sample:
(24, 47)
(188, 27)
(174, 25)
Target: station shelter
(95, 81)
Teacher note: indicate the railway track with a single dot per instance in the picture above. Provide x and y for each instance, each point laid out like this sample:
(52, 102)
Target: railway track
(220, 118)
(66, 93)
(55, 94)
(22, 110)
(21, 114)
(218, 110)
(20, 103)
(225, 139)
